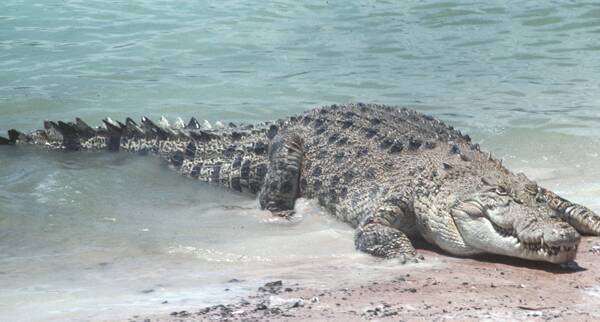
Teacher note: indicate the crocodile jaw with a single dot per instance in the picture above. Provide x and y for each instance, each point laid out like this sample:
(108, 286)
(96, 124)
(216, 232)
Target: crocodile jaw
(481, 233)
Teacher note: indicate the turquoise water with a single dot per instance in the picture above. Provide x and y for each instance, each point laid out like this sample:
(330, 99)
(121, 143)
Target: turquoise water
(84, 235)
(252, 60)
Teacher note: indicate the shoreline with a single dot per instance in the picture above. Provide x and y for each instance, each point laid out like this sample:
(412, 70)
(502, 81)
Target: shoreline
(486, 288)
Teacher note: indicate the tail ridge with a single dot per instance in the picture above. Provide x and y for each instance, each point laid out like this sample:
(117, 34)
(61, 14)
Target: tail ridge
(78, 135)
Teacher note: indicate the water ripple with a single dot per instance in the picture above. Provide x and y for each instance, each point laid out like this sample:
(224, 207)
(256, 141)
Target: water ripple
(129, 58)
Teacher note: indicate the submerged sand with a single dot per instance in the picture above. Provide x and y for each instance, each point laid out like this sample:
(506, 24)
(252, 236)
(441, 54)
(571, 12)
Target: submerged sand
(463, 289)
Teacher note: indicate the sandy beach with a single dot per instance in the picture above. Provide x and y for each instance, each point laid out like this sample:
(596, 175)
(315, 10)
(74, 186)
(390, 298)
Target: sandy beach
(463, 289)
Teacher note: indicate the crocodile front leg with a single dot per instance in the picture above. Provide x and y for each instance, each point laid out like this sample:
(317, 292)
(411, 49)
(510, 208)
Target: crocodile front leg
(377, 236)
(581, 218)
(281, 186)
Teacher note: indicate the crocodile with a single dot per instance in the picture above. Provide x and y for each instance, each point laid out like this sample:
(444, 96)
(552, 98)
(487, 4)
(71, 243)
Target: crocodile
(394, 174)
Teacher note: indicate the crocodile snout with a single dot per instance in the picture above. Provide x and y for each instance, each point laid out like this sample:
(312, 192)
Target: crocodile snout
(557, 234)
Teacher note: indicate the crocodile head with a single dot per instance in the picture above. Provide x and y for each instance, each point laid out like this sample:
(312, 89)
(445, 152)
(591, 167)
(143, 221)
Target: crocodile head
(507, 217)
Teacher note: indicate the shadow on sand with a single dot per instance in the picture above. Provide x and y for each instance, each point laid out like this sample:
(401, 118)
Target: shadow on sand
(566, 268)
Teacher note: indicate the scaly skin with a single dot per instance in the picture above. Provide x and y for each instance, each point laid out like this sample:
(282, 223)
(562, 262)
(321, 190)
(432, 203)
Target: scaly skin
(394, 174)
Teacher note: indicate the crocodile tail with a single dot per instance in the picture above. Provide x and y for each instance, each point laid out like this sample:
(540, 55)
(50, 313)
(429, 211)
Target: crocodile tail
(230, 155)
(13, 137)
(56, 135)
(112, 135)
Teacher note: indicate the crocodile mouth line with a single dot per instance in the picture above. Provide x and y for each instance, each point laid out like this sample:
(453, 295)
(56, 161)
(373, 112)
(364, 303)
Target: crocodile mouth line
(539, 248)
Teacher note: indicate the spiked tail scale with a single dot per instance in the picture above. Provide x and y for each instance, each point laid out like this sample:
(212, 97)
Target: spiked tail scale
(231, 156)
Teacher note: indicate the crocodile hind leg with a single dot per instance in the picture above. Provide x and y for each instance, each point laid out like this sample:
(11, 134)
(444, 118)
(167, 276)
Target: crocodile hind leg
(281, 186)
(377, 235)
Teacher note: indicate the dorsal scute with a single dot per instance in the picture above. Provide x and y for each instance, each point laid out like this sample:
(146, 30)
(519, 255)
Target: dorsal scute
(178, 124)
(84, 130)
(193, 124)
(152, 130)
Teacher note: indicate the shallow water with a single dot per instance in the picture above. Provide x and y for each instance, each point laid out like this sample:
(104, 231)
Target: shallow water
(86, 235)
(95, 235)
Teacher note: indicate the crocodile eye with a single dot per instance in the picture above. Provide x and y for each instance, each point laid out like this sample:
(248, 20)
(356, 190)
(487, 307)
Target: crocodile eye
(501, 191)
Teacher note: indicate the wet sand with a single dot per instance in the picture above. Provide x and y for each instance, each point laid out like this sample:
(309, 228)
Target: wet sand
(464, 289)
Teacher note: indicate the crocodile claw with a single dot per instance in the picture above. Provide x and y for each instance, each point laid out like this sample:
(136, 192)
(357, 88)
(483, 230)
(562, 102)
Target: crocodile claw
(287, 214)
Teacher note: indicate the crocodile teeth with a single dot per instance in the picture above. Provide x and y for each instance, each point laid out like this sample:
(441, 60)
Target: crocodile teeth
(219, 125)
(206, 125)
(503, 231)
